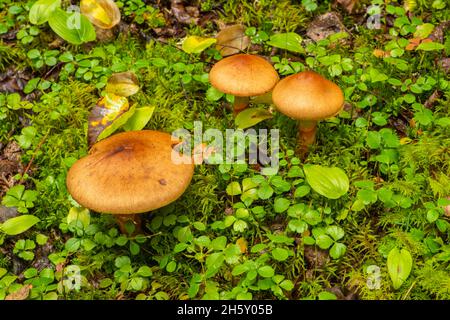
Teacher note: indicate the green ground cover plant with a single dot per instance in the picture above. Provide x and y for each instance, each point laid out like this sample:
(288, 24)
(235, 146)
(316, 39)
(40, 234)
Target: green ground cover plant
(364, 214)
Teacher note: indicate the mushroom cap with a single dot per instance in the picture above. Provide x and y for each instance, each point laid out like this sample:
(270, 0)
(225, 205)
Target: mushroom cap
(130, 172)
(307, 96)
(243, 75)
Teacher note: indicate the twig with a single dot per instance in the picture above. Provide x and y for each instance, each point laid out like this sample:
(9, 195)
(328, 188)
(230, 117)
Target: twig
(34, 155)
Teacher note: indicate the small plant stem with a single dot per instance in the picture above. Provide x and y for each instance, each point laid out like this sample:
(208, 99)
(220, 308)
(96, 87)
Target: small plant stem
(306, 135)
(34, 155)
(122, 220)
(240, 103)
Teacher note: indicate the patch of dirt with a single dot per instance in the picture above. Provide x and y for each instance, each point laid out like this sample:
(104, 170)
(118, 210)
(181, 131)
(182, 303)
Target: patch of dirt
(10, 165)
(41, 260)
(14, 80)
(438, 33)
(444, 64)
(315, 257)
(343, 294)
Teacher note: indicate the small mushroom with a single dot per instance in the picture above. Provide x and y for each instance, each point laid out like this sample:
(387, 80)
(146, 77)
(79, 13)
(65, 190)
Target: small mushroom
(307, 97)
(244, 76)
(129, 173)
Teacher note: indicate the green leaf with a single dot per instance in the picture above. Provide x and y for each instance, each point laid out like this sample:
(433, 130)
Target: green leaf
(145, 271)
(328, 182)
(80, 214)
(399, 265)
(423, 31)
(234, 188)
(325, 295)
(430, 46)
(240, 226)
(212, 94)
(302, 191)
(41, 10)
(335, 232)
(288, 41)
(266, 271)
(281, 204)
(72, 27)
(73, 244)
(298, 226)
(324, 241)
(280, 254)
(265, 191)
(139, 119)
(219, 243)
(195, 44)
(17, 225)
(41, 239)
(337, 250)
(251, 116)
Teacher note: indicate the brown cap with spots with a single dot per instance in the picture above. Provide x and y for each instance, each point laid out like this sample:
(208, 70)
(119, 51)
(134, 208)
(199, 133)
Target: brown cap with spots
(307, 96)
(130, 172)
(243, 75)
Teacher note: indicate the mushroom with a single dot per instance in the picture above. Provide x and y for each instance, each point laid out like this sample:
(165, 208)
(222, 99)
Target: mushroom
(307, 97)
(244, 76)
(129, 173)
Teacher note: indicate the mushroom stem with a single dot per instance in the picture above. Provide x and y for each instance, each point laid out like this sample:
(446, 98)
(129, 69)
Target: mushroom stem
(240, 103)
(306, 135)
(122, 220)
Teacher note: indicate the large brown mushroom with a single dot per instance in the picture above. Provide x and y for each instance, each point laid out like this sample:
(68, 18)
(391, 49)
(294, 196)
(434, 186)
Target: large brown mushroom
(244, 76)
(129, 173)
(307, 97)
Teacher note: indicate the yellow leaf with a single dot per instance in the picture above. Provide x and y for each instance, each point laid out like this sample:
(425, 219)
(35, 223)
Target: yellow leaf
(103, 13)
(242, 243)
(20, 294)
(195, 44)
(405, 140)
(123, 84)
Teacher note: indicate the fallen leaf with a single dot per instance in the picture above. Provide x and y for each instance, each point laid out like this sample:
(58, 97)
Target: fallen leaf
(413, 43)
(108, 109)
(185, 15)
(20, 294)
(324, 26)
(232, 40)
(243, 245)
(381, 53)
(348, 4)
(195, 44)
(123, 84)
(102, 13)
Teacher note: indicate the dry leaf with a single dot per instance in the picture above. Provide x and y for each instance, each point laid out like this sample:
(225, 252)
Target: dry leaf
(348, 4)
(185, 15)
(108, 109)
(413, 43)
(20, 294)
(380, 53)
(324, 26)
(232, 40)
(242, 243)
